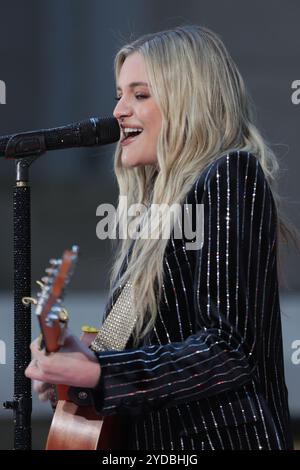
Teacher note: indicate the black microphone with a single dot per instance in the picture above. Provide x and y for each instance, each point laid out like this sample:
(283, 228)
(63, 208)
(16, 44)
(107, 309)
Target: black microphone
(93, 131)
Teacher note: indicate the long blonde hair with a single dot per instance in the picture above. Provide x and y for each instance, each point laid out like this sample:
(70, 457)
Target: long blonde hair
(206, 112)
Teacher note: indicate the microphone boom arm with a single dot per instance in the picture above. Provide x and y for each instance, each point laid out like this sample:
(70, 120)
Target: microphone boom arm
(87, 133)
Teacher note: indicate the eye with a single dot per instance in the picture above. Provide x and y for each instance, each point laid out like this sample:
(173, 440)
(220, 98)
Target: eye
(138, 97)
(141, 96)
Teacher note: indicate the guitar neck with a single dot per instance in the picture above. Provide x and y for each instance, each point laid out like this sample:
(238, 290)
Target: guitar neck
(52, 336)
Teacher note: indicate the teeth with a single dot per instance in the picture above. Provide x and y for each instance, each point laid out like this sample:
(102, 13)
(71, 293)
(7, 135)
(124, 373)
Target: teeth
(128, 130)
(132, 129)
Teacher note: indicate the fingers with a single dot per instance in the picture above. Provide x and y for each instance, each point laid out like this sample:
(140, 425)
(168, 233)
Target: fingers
(48, 395)
(44, 390)
(35, 348)
(45, 396)
(33, 372)
(74, 364)
(40, 387)
(37, 368)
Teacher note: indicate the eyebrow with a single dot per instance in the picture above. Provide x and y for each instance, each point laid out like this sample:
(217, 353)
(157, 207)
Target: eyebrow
(134, 84)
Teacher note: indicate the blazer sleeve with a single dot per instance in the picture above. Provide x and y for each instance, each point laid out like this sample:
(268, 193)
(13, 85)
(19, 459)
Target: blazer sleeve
(230, 273)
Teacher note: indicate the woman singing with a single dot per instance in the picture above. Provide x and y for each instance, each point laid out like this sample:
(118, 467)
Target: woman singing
(202, 364)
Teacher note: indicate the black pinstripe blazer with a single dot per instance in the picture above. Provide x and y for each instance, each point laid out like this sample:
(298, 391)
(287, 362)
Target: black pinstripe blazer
(211, 374)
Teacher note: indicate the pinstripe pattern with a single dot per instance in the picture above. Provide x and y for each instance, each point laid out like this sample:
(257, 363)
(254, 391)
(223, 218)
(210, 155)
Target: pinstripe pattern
(210, 376)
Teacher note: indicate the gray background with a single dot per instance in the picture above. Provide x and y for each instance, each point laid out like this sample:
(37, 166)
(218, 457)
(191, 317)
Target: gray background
(56, 58)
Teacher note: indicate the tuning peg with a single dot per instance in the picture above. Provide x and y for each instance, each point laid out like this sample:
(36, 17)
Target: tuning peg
(51, 271)
(64, 315)
(56, 309)
(45, 288)
(55, 262)
(51, 317)
(57, 313)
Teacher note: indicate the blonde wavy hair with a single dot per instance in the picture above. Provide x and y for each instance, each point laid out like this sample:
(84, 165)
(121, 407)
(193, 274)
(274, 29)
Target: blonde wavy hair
(206, 112)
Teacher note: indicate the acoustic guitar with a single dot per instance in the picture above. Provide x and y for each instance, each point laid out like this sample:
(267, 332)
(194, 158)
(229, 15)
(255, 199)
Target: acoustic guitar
(73, 427)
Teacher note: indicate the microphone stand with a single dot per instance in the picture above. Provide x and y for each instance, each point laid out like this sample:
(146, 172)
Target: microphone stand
(25, 148)
(22, 399)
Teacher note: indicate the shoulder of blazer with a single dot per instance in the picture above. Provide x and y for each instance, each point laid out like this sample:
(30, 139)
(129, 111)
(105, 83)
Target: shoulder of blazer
(233, 164)
(241, 161)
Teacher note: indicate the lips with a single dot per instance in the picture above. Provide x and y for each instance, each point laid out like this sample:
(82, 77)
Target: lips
(128, 140)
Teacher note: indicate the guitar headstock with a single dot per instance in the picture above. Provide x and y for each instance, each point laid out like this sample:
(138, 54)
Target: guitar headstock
(52, 316)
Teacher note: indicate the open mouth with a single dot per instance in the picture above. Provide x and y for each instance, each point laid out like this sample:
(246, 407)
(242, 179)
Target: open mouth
(130, 135)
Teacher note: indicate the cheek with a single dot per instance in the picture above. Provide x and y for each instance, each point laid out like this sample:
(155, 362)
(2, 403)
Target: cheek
(154, 124)
(152, 118)
(156, 132)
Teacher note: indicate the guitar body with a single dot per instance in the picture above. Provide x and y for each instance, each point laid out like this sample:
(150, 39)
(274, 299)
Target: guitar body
(74, 428)
(79, 427)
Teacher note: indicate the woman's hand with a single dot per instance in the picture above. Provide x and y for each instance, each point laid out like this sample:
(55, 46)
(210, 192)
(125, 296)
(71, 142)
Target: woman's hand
(74, 364)
(44, 390)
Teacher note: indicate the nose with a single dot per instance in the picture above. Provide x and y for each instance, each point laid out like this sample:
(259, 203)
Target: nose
(122, 109)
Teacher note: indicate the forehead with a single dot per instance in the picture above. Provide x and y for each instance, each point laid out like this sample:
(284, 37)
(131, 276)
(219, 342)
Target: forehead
(133, 72)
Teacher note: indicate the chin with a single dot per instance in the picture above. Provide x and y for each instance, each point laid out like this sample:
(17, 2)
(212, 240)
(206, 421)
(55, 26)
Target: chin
(130, 162)
(127, 163)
